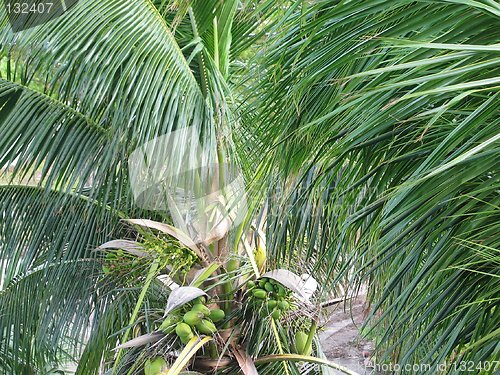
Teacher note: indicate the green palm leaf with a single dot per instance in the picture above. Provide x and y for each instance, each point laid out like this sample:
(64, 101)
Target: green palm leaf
(381, 124)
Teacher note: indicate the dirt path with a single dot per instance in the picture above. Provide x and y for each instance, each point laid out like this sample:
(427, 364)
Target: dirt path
(340, 336)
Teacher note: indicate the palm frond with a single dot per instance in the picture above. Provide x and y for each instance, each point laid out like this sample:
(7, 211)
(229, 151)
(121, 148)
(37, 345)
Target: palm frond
(393, 116)
(51, 317)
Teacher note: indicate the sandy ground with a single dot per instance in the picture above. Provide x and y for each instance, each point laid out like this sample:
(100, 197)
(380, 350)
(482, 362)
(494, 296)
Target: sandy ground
(341, 339)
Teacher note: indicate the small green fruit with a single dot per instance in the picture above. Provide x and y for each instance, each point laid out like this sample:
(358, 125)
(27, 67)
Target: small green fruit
(168, 325)
(201, 308)
(199, 300)
(276, 314)
(301, 342)
(193, 317)
(232, 265)
(281, 291)
(269, 287)
(260, 257)
(216, 315)
(262, 282)
(284, 305)
(250, 284)
(155, 366)
(185, 339)
(183, 329)
(271, 304)
(259, 293)
(206, 327)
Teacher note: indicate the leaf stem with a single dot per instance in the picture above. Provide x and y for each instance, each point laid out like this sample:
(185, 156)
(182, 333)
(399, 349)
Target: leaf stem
(149, 278)
(278, 341)
(312, 333)
(204, 85)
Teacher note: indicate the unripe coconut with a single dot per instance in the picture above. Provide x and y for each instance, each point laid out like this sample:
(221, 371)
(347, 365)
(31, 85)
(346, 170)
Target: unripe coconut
(155, 366)
(200, 299)
(281, 291)
(216, 315)
(276, 314)
(185, 339)
(301, 342)
(206, 327)
(259, 293)
(271, 304)
(168, 325)
(269, 287)
(193, 317)
(183, 329)
(284, 305)
(201, 308)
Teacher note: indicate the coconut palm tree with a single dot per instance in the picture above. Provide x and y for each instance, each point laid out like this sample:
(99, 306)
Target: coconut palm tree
(367, 133)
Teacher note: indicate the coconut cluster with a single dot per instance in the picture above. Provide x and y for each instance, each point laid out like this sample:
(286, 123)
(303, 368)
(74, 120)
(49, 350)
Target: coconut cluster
(269, 297)
(193, 319)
